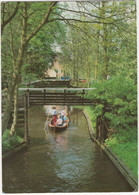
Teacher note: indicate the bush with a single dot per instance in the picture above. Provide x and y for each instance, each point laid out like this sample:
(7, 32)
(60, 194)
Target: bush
(119, 94)
(10, 142)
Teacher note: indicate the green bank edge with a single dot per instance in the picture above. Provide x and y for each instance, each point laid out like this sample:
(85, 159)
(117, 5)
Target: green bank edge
(124, 170)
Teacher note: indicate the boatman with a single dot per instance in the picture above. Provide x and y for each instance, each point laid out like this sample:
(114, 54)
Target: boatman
(54, 113)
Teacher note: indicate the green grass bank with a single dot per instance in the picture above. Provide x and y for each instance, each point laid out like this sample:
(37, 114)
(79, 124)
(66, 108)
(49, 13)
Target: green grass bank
(122, 143)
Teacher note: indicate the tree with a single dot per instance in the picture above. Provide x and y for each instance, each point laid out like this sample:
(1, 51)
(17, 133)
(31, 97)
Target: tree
(108, 39)
(25, 38)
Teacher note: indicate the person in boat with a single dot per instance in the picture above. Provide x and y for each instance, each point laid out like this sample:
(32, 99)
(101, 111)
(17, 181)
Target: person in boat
(54, 113)
(63, 113)
(59, 121)
(65, 119)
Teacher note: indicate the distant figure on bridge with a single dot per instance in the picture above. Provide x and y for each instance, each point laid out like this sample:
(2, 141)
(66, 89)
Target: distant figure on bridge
(68, 78)
(63, 78)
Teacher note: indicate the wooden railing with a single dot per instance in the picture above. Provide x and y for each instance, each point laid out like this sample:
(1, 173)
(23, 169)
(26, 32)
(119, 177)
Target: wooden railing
(57, 96)
(49, 83)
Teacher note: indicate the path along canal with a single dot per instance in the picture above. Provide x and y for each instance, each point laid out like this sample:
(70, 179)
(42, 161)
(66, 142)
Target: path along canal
(67, 161)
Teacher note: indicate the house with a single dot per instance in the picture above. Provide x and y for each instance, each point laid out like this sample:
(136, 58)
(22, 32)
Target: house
(56, 70)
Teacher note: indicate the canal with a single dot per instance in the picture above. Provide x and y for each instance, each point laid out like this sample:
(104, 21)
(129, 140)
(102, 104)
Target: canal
(68, 161)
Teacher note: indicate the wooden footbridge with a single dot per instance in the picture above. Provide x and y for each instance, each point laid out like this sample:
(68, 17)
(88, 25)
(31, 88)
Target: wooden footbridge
(55, 92)
(52, 96)
(56, 96)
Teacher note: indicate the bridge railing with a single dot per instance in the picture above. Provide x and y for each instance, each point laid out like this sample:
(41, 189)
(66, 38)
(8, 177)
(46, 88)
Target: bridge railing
(57, 89)
(49, 83)
(57, 96)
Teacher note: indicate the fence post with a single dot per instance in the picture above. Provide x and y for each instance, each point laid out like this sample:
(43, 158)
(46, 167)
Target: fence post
(69, 84)
(44, 95)
(97, 127)
(64, 96)
(26, 136)
(83, 97)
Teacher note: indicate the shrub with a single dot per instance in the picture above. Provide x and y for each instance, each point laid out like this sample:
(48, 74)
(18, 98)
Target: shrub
(10, 142)
(119, 94)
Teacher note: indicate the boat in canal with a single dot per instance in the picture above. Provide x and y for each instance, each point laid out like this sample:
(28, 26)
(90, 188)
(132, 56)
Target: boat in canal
(64, 126)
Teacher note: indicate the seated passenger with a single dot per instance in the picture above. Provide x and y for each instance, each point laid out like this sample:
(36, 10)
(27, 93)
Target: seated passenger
(65, 119)
(59, 121)
(63, 113)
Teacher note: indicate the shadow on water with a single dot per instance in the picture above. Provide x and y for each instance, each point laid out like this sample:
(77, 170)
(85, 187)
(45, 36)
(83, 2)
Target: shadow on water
(67, 161)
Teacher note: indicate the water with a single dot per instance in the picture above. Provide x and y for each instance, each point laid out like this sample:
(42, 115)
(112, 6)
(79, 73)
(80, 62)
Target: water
(67, 161)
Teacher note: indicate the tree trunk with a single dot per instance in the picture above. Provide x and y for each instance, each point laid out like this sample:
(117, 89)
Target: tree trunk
(74, 72)
(97, 56)
(88, 76)
(15, 110)
(105, 48)
(16, 74)
(7, 110)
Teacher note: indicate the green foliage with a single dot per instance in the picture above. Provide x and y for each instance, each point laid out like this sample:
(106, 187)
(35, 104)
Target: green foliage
(41, 49)
(126, 150)
(78, 107)
(20, 132)
(94, 51)
(10, 142)
(119, 94)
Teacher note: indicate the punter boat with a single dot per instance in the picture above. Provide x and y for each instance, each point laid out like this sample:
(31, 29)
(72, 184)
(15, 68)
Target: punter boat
(64, 126)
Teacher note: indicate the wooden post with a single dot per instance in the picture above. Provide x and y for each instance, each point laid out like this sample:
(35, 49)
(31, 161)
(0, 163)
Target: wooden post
(101, 131)
(68, 110)
(83, 97)
(69, 84)
(28, 99)
(64, 96)
(26, 136)
(44, 95)
(98, 128)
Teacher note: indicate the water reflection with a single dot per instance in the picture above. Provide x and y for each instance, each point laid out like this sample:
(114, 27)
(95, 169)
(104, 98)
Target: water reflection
(66, 161)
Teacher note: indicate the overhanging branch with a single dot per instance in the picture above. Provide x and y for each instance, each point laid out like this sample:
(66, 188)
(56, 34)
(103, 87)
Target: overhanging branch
(10, 18)
(44, 21)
